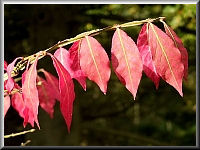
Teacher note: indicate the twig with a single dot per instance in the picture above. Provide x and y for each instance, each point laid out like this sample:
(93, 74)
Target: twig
(24, 144)
(20, 133)
(21, 64)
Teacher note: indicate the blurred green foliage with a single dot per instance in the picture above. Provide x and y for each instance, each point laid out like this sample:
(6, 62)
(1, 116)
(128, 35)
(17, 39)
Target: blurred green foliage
(156, 117)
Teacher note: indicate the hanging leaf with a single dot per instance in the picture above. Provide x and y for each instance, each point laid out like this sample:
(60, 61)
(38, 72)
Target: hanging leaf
(52, 82)
(5, 65)
(145, 52)
(17, 101)
(46, 97)
(30, 95)
(178, 43)
(126, 60)
(6, 104)
(74, 52)
(66, 87)
(64, 57)
(94, 62)
(10, 82)
(166, 57)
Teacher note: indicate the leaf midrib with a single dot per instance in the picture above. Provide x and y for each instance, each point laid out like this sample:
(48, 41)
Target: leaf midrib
(163, 50)
(125, 56)
(66, 93)
(171, 34)
(93, 58)
(30, 73)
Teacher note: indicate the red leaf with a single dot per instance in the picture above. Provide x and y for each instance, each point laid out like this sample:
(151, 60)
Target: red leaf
(178, 43)
(18, 102)
(46, 97)
(166, 57)
(67, 94)
(10, 82)
(30, 95)
(145, 51)
(94, 62)
(52, 82)
(74, 52)
(5, 65)
(126, 60)
(64, 57)
(6, 104)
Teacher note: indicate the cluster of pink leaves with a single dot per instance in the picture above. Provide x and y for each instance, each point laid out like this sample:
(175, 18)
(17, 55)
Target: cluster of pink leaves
(159, 54)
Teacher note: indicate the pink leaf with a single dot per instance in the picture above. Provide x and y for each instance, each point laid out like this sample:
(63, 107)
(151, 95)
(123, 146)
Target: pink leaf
(52, 82)
(10, 83)
(30, 95)
(18, 102)
(166, 57)
(126, 60)
(64, 57)
(67, 94)
(5, 65)
(145, 51)
(46, 97)
(94, 62)
(178, 43)
(74, 52)
(6, 104)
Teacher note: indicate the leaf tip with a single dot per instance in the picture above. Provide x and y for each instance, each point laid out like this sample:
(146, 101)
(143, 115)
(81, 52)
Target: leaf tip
(84, 87)
(134, 97)
(38, 125)
(181, 93)
(157, 85)
(68, 128)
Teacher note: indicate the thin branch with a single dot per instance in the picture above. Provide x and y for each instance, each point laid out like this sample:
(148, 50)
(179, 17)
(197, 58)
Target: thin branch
(24, 144)
(21, 64)
(20, 133)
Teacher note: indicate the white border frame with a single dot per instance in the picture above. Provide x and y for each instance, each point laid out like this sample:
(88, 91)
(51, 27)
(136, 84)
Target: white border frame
(100, 2)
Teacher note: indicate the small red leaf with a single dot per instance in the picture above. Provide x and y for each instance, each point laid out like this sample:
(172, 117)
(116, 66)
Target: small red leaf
(10, 82)
(94, 62)
(178, 43)
(126, 60)
(30, 95)
(52, 82)
(145, 51)
(46, 97)
(64, 57)
(166, 57)
(18, 102)
(74, 52)
(67, 94)
(6, 104)
(5, 65)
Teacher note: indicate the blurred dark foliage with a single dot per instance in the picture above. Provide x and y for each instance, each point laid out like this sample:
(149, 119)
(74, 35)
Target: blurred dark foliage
(156, 117)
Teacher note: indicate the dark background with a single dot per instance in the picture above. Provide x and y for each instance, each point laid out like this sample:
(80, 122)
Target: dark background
(156, 117)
